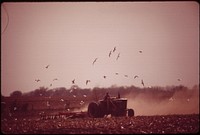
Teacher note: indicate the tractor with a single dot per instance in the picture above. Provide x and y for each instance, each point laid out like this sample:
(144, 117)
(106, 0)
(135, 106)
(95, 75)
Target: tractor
(114, 106)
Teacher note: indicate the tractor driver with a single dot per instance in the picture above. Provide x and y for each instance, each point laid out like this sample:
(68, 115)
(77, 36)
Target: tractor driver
(106, 96)
(107, 99)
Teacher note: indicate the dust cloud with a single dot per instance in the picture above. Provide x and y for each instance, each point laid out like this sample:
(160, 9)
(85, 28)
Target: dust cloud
(83, 108)
(179, 102)
(152, 101)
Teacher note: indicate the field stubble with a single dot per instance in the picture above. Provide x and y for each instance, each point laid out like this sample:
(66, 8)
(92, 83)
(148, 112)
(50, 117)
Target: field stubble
(164, 124)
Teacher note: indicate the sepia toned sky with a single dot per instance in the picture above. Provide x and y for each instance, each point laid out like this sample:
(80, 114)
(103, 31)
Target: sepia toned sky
(68, 36)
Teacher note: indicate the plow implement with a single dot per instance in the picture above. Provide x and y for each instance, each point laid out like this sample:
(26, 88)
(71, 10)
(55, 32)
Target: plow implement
(65, 115)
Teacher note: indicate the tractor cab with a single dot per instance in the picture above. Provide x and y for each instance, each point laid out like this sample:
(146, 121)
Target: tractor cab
(116, 106)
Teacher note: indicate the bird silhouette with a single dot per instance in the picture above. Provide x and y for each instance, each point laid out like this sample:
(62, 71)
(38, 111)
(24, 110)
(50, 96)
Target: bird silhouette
(117, 73)
(37, 80)
(140, 51)
(142, 82)
(104, 76)
(135, 76)
(47, 66)
(171, 99)
(110, 53)
(94, 61)
(71, 91)
(118, 56)
(55, 79)
(114, 49)
(179, 79)
(87, 81)
(82, 102)
(73, 81)
(126, 75)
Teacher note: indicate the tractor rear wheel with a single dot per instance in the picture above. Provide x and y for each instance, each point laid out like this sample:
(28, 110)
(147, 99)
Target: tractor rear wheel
(94, 110)
(130, 112)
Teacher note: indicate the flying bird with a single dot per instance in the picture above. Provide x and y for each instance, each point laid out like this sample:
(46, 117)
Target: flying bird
(118, 56)
(87, 81)
(179, 79)
(48, 104)
(94, 61)
(117, 73)
(104, 76)
(82, 102)
(37, 80)
(47, 66)
(110, 53)
(126, 75)
(171, 99)
(114, 49)
(73, 81)
(140, 51)
(135, 76)
(142, 82)
(55, 79)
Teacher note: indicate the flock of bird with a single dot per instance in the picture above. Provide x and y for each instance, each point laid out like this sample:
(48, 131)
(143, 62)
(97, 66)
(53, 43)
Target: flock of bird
(95, 60)
(110, 53)
(93, 63)
(55, 79)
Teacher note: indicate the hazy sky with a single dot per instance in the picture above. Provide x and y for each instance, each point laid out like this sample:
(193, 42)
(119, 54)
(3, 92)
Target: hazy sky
(68, 36)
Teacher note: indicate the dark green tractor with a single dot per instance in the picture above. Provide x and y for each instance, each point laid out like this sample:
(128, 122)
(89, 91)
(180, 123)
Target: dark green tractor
(115, 106)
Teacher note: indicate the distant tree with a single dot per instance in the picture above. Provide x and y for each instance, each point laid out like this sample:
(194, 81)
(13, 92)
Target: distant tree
(67, 104)
(50, 93)
(75, 87)
(195, 87)
(16, 93)
(24, 107)
(2, 96)
(14, 107)
(3, 107)
(61, 91)
(42, 91)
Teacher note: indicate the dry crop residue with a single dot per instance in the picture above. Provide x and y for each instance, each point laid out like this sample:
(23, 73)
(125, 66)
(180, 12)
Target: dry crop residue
(115, 125)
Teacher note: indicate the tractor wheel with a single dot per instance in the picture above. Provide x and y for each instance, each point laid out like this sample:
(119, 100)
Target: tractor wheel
(94, 110)
(130, 112)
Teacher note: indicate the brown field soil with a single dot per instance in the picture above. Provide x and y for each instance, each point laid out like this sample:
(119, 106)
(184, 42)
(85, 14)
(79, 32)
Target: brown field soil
(162, 124)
